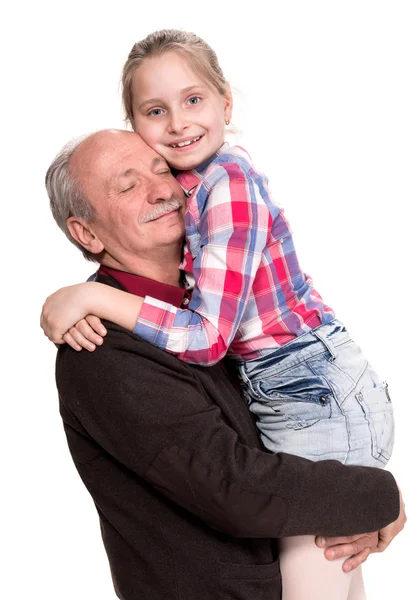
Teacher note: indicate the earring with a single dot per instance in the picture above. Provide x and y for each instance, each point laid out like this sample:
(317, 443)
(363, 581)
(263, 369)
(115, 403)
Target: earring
(227, 122)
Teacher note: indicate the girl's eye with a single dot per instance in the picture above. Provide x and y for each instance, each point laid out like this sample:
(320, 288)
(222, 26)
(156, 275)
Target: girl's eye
(155, 112)
(194, 100)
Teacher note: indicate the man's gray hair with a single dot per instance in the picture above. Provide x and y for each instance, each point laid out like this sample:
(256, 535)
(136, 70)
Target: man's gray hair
(67, 197)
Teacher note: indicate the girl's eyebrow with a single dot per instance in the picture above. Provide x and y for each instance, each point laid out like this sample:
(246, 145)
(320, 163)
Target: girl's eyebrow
(192, 87)
(150, 101)
(185, 90)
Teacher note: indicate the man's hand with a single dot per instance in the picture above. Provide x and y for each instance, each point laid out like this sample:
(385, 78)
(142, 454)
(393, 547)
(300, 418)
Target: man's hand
(387, 534)
(355, 547)
(358, 547)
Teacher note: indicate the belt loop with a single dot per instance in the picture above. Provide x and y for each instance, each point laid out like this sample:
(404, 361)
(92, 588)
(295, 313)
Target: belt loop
(329, 346)
(243, 375)
(245, 382)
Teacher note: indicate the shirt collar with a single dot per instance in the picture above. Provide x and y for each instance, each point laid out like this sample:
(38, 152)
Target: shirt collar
(142, 286)
(189, 180)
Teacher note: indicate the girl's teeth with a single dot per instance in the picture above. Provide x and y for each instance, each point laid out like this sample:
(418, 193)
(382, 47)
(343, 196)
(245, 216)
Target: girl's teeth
(182, 144)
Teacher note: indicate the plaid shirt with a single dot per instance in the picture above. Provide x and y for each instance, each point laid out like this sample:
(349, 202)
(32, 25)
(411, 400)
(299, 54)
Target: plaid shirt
(250, 295)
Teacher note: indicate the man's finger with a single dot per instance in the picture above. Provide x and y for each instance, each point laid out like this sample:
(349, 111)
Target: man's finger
(325, 542)
(383, 544)
(354, 561)
(342, 550)
(368, 541)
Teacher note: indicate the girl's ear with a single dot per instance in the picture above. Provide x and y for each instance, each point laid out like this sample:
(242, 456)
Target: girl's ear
(84, 234)
(228, 104)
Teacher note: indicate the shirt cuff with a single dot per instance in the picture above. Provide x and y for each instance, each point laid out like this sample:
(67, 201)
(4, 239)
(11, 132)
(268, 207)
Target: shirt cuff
(155, 321)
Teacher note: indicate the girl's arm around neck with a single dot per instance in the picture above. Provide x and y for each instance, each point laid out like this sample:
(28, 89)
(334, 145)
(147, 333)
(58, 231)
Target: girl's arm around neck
(69, 305)
(115, 305)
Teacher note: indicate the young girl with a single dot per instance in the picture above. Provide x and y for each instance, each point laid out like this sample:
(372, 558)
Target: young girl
(310, 388)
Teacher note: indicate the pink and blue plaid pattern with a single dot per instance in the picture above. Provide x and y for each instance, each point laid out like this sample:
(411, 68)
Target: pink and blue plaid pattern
(250, 295)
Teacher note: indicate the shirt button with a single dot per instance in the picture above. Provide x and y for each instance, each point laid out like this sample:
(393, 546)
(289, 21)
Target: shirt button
(185, 301)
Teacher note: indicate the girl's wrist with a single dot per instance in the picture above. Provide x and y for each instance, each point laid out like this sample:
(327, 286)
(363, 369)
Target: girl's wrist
(111, 304)
(94, 298)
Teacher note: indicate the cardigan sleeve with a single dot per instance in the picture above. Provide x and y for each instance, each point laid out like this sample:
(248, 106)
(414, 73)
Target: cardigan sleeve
(151, 413)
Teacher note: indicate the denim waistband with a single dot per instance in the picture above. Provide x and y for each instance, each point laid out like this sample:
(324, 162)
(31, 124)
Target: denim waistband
(325, 337)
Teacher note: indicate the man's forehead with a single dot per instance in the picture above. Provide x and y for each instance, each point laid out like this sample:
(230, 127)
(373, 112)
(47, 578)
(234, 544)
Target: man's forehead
(116, 154)
(140, 159)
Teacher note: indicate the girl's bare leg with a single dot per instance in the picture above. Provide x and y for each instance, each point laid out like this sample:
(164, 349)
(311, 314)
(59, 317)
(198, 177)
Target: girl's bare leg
(357, 587)
(307, 574)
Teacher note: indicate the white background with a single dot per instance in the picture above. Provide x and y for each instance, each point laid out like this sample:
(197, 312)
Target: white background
(328, 99)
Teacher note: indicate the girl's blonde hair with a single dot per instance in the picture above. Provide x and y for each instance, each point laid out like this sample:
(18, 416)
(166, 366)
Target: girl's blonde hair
(201, 57)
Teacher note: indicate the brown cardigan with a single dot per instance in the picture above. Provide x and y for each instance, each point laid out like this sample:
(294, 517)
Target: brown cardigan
(189, 501)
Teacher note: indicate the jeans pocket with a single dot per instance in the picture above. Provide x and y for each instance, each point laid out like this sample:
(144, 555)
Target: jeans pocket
(296, 412)
(298, 384)
(377, 408)
(298, 397)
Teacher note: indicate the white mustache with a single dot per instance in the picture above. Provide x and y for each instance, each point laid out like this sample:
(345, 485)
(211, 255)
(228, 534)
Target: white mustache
(161, 209)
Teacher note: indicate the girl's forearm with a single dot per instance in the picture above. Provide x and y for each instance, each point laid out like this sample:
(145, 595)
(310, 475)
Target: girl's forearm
(114, 305)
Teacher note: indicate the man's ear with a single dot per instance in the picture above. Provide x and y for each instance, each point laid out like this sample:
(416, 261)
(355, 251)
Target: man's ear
(84, 234)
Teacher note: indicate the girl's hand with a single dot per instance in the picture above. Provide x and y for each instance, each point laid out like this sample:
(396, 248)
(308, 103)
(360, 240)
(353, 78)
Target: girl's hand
(66, 307)
(87, 333)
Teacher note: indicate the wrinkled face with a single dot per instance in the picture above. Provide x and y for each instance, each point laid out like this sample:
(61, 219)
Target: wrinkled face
(139, 203)
(178, 113)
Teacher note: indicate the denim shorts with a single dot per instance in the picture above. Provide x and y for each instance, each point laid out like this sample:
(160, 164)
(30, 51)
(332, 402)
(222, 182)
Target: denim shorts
(318, 397)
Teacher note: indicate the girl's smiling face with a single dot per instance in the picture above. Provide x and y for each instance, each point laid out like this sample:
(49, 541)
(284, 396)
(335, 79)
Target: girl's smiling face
(177, 112)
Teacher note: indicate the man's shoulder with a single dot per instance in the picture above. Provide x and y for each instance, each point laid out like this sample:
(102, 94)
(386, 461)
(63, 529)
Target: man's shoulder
(126, 360)
(120, 349)
(125, 371)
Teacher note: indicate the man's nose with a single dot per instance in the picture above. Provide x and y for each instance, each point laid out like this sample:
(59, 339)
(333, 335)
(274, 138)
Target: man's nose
(160, 191)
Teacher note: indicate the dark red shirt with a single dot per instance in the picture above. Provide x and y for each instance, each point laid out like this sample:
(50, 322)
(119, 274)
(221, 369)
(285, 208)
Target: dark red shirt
(142, 286)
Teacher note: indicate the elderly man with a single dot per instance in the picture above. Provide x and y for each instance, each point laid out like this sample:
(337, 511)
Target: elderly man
(190, 504)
